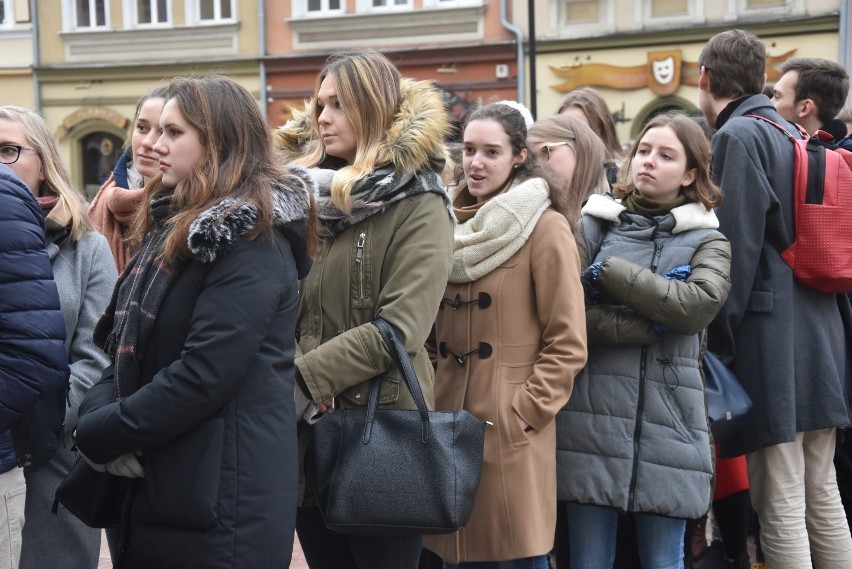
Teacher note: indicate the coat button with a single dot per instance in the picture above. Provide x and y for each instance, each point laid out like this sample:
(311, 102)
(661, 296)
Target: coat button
(357, 396)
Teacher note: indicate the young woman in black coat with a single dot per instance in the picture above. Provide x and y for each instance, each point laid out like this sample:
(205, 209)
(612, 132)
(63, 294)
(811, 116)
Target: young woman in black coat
(197, 407)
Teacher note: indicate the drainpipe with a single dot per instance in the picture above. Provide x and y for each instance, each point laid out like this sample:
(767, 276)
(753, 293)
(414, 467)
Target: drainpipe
(36, 55)
(519, 41)
(262, 36)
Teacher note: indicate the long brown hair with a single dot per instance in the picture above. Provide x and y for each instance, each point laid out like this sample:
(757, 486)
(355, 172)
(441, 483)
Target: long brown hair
(697, 149)
(600, 118)
(237, 162)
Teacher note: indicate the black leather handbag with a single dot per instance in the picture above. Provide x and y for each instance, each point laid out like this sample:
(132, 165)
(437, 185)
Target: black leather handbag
(396, 471)
(728, 404)
(95, 498)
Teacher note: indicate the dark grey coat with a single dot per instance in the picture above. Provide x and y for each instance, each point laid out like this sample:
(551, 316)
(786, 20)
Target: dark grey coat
(634, 434)
(787, 344)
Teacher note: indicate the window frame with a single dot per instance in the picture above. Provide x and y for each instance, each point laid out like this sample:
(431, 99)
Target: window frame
(695, 13)
(130, 8)
(605, 24)
(300, 9)
(367, 7)
(69, 17)
(92, 11)
(193, 13)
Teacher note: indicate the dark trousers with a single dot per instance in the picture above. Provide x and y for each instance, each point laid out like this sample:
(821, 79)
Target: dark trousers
(327, 549)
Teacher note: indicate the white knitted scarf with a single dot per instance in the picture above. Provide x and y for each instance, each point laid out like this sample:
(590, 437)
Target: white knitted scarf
(498, 230)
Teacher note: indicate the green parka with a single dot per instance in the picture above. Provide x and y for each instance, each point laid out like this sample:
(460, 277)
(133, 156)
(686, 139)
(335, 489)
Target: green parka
(394, 264)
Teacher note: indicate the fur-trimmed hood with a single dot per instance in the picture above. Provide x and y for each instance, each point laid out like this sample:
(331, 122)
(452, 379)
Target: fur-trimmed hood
(218, 228)
(414, 140)
(688, 216)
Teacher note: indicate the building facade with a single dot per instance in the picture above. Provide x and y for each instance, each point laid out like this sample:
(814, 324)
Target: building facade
(90, 61)
(461, 45)
(642, 55)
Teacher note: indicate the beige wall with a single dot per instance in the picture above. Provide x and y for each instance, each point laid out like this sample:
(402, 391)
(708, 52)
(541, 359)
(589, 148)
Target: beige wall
(814, 45)
(16, 88)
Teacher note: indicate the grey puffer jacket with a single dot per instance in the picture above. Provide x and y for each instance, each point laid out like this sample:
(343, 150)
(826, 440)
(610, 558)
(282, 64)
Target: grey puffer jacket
(634, 435)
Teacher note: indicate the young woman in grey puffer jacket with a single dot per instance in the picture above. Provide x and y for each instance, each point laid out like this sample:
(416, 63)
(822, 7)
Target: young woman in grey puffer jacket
(634, 435)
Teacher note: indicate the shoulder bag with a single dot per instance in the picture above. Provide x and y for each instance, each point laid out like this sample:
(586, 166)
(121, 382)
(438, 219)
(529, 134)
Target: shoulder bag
(728, 404)
(396, 471)
(95, 498)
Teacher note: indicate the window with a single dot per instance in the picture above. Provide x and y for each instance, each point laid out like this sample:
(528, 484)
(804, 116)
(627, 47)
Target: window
(316, 7)
(382, 5)
(5, 15)
(578, 11)
(765, 3)
(215, 10)
(152, 12)
(669, 7)
(90, 14)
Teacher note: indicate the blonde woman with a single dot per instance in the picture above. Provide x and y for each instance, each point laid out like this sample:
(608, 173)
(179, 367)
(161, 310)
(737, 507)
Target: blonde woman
(374, 143)
(574, 158)
(85, 274)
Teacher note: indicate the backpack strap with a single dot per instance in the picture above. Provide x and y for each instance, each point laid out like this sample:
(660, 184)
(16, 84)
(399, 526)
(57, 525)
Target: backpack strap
(799, 128)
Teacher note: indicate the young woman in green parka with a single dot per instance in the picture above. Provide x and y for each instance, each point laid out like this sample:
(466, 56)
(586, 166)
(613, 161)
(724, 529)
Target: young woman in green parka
(373, 143)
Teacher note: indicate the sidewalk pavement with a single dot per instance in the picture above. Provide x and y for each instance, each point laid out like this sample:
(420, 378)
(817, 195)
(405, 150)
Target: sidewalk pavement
(298, 561)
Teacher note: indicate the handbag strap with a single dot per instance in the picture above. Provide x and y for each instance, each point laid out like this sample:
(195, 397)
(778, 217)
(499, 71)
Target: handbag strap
(403, 361)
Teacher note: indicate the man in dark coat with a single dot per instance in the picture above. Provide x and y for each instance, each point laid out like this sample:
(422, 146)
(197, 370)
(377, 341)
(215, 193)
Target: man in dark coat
(788, 344)
(33, 360)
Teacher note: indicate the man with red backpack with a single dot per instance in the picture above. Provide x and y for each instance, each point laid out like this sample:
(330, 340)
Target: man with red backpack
(810, 92)
(786, 342)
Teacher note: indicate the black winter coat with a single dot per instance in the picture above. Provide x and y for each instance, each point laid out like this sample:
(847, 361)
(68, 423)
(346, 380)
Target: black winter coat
(214, 416)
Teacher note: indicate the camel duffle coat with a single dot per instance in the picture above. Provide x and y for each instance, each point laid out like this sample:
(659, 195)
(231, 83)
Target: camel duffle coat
(508, 346)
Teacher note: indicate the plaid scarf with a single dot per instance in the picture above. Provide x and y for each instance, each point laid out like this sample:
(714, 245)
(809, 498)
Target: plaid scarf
(373, 194)
(124, 329)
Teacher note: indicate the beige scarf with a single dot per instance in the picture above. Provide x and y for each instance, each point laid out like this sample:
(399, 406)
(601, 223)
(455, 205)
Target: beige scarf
(498, 230)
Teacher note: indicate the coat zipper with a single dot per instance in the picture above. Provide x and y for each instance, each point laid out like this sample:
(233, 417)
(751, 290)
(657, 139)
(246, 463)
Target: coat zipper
(359, 254)
(640, 404)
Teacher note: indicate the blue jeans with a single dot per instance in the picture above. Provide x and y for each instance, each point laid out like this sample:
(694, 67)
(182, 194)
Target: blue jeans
(592, 531)
(537, 562)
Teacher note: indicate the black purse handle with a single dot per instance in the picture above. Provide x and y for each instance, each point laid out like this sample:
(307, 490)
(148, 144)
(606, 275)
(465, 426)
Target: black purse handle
(403, 361)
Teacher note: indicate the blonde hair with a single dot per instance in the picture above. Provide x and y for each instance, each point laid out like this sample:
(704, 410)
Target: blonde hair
(56, 181)
(368, 90)
(589, 176)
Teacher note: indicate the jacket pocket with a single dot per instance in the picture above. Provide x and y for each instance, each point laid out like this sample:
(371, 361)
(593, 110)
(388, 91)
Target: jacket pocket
(181, 484)
(512, 379)
(388, 391)
(361, 267)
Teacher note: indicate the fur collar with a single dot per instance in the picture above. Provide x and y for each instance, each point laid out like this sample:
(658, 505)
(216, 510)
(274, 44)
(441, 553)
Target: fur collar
(414, 139)
(688, 216)
(217, 229)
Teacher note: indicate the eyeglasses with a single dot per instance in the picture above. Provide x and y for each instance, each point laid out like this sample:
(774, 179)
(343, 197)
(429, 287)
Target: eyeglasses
(545, 150)
(9, 153)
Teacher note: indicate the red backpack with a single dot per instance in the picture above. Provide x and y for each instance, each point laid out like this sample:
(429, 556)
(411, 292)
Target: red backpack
(821, 254)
